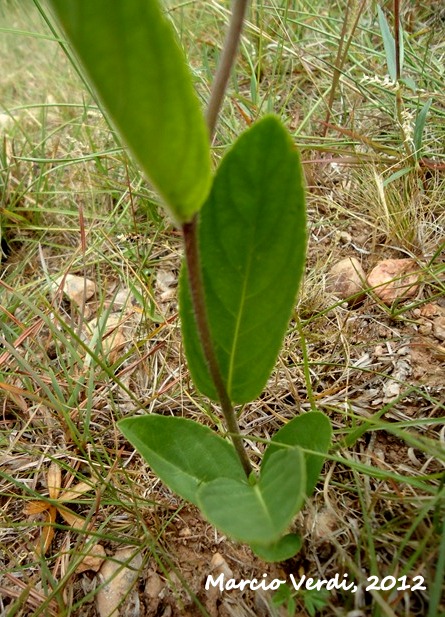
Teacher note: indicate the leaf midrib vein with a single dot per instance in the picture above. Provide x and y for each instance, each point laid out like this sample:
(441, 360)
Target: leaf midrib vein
(238, 325)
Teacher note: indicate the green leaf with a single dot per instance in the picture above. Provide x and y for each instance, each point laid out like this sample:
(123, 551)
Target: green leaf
(315, 600)
(397, 174)
(282, 596)
(389, 44)
(183, 453)
(419, 127)
(409, 83)
(310, 431)
(284, 548)
(130, 53)
(252, 241)
(257, 514)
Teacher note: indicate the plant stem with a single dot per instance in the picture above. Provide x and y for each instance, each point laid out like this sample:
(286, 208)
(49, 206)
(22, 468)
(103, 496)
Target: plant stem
(225, 64)
(190, 232)
(306, 367)
(198, 300)
(342, 53)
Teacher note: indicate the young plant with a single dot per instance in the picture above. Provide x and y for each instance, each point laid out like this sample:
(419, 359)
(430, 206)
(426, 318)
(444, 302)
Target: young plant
(244, 241)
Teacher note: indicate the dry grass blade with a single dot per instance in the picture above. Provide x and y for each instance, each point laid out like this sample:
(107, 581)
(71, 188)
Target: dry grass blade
(54, 480)
(35, 507)
(44, 542)
(75, 521)
(32, 598)
(75, 492)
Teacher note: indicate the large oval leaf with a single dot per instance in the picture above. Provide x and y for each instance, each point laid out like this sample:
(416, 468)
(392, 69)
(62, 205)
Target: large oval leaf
(310, 431)
(252, 242)
(183, 453)
(258, 514)
(135, 64)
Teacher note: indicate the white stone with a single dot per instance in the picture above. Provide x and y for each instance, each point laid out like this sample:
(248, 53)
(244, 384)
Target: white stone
(119, 576)
(77, 288)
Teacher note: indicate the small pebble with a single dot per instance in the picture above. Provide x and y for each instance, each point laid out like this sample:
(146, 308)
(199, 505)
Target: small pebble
(77, 288)
(345, 280)
(439, 328)
(395, 279)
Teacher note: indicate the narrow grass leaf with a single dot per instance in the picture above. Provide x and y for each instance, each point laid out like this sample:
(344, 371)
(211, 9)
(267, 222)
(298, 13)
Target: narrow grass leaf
(436, 589)
(419, 127)
(132, 58)
(397, 174)
(252, 240)
(183, 453)
(388, 43)
(310, 431)
(258, 514)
